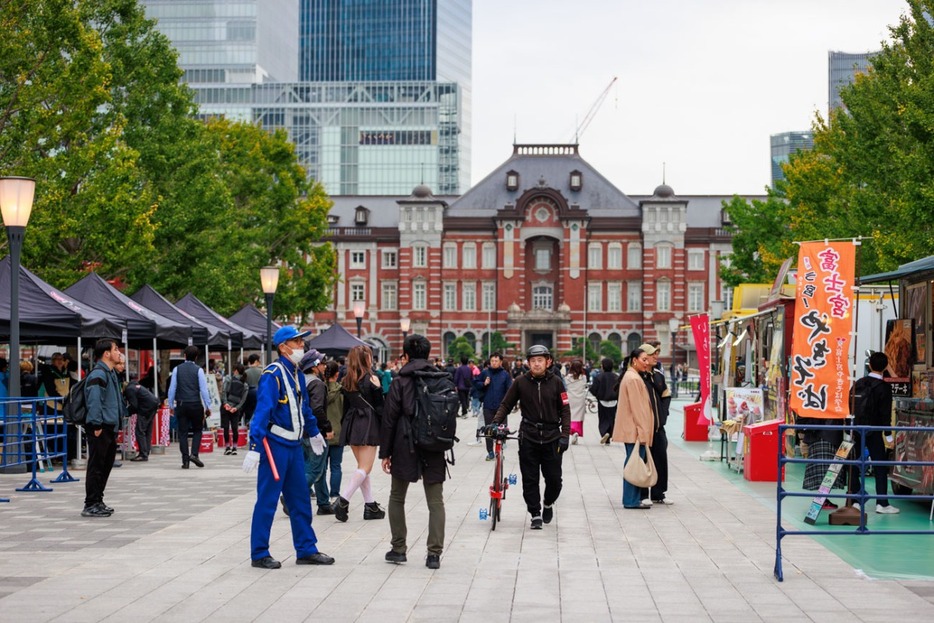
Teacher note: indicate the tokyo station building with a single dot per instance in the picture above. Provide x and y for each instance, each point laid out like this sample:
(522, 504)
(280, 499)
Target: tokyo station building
(544, 250)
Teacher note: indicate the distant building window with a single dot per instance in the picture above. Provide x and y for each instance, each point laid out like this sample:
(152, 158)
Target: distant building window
(449, 302)
(357, 292)
(695, 259)
(614, 297)
(696, 297)
(390, 259)
(489, 296)
(470, 296)
(470, 255)
(512, 180)
(594, 297)
(361, 216)
(449, 258)
(542, 297)
(419, 257)
(614, 256)
(663, 296)
(634, 296)
(358, 259)
(575, 180)
(634, 256)
(390, 295)
(543, 259)
(663, 256)
(595, 256)
(419, 297)
(489, 255)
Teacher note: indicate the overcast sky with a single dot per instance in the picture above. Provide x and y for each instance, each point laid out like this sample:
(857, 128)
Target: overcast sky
(701, 83)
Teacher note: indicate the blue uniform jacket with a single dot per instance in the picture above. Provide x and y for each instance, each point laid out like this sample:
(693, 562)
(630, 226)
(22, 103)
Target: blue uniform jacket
(500, 380)
(272, 405)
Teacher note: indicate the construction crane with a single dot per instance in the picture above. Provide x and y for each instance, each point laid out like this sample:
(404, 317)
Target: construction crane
(592, 112)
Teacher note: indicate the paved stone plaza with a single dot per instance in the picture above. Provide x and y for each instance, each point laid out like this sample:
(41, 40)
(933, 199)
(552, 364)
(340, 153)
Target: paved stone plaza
(177, 549)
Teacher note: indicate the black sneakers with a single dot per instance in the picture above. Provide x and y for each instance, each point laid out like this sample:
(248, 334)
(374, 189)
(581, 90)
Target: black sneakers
(194, 459)
(315, 559)
(536, 523)
(433, 561)
(267, 562)
(340, 508)
(548, 514)
(96, 510)
(371, 510)
(395, 557)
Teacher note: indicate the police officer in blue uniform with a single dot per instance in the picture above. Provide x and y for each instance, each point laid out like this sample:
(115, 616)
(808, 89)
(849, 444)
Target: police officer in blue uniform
(282, 417)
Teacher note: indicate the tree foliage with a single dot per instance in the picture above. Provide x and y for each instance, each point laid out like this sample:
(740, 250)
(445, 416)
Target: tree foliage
(131, 183)
(870, 173)
(607, 350)
(461, 347)
(497, 344)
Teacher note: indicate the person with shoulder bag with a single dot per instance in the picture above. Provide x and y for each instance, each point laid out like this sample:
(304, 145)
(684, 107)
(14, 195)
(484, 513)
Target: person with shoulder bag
(635, 423)
(233, 401)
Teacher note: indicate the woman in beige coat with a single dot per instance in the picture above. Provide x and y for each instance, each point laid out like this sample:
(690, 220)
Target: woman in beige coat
(634, 421)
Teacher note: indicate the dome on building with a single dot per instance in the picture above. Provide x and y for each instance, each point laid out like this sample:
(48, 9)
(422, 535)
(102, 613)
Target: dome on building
(564, 308)
(513, 309)
(664, 191)
(421, 191)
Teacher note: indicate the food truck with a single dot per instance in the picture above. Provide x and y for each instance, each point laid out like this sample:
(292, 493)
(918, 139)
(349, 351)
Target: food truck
(911, 373)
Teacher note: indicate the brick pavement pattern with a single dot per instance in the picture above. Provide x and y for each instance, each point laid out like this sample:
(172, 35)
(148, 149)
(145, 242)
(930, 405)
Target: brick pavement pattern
(177, 549)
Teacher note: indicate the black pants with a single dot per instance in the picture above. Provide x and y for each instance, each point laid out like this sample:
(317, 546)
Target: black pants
(534, 459)
(144, 433)
(876, 447)
(249, 406)
(606, 417)
(190, 417)
(464, 396)
(102, 450)
(488, 415)
(230, 421)
(659, 452)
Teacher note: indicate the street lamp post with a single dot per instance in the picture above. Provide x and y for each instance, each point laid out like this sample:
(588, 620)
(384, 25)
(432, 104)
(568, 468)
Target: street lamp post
(16, 196)
(359, 309)
(673, 325)
(405, 324)
(269, 277)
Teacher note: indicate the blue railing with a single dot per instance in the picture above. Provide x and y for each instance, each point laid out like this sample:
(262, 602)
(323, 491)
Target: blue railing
(32, 436)
(859, 497)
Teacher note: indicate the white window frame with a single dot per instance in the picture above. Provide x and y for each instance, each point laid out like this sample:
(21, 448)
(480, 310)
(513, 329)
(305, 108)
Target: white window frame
(358, 259)
(663, 295)
(449, 255)
(696, 296)
(614, 256)
(614, 297)
(695, 259)
(634, 296)
(357, 291)
(536, 254)
(419, 256)
(663, 256)
(419, 295)
(469, 256)
(389, 291)
(634, 255)
(488, 299)
(489, 255)
(449, 296)
(390, 259)
(542, 293)
(594, 297)
(469, 296)
(595, 256)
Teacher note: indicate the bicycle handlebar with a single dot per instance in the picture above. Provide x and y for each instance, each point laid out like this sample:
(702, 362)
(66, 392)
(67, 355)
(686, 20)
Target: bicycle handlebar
(495, 432)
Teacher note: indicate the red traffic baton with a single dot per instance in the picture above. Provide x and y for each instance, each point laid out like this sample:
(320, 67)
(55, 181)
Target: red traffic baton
(272, 462)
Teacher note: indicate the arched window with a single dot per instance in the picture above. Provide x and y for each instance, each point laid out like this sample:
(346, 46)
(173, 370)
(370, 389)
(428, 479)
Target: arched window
(543, 297)
(616, 339)
(471, 339)
(594, 340)
(447, 338)
(633, 341)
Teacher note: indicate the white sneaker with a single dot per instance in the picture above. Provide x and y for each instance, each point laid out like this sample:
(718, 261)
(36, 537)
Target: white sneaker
(574, 439)
(646, 502)
(886, 510)
(856, 505)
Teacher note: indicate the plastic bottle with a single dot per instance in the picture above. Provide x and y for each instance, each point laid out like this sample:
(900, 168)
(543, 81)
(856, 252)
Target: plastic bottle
(484, 513)
(512, 479)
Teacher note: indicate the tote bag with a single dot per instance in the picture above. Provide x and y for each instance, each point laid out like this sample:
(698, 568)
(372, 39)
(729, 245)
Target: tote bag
(640, 473)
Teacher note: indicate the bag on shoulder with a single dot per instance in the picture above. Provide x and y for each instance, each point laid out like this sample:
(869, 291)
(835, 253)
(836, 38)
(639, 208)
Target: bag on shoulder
(436, 405)
(640, 473)
(863, 391)
(75, 406)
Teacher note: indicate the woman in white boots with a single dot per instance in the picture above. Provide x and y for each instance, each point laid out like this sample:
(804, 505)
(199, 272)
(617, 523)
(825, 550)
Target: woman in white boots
(363, 409)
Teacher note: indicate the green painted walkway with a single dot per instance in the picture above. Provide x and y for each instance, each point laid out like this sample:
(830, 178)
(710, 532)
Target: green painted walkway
(876, 555)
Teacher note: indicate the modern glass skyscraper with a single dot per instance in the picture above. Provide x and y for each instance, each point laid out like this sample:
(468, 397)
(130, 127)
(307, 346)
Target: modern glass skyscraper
(375, 94)
(785, 144)
(842, 70)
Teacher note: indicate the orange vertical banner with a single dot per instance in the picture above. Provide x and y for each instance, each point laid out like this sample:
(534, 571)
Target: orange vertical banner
(820, 371)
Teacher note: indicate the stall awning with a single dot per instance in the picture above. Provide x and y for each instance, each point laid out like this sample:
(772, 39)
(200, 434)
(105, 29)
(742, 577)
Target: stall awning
(918, 266)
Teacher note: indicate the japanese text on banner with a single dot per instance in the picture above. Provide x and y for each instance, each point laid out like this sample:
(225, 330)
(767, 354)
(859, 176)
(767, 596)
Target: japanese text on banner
(820, 374)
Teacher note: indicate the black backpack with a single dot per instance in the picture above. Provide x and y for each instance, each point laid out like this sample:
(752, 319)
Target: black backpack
(864, 398)
(436, 406)
(75, 407)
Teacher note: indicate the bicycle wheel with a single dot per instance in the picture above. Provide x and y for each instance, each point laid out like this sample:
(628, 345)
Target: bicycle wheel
(494, 512)
(496, 499)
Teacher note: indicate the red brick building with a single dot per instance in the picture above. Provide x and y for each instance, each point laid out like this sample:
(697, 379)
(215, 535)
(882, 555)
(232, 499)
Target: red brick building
(544, 250)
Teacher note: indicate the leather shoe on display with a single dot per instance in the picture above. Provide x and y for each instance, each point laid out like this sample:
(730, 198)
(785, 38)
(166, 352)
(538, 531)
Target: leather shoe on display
(433, 561)
(267, 562)
(194, 459)
(315, 559)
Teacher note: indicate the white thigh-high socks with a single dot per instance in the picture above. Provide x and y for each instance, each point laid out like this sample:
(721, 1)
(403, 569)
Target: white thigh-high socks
(367, 490)
(356, 479)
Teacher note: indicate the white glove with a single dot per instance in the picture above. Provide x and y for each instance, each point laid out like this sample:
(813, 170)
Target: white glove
(318, 444)
(251, 461)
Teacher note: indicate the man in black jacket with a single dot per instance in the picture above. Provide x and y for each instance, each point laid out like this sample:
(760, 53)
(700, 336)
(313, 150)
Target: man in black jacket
(660, 397)
(604, 389)
(406, 463)
(873, 407)
(544, 433)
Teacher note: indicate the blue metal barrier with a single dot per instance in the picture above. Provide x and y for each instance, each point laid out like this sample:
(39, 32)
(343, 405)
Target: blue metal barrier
(860, 497)
(29, 430)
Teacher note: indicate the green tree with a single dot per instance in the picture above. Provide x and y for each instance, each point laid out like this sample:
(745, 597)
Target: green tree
(461, 347)
(497, 344)
(607, 350)
(759, 246)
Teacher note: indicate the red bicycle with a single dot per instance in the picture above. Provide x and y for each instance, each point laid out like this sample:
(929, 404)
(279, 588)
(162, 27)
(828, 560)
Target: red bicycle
(499, 435)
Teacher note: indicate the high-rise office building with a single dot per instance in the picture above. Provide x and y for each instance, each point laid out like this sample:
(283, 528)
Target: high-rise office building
(785, 144)
(374, 95)
(842, 70)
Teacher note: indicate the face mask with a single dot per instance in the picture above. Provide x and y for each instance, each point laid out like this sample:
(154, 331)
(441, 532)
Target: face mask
(296, 356)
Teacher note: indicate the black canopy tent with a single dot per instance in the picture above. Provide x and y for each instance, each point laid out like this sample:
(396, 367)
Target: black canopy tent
(149, 298)
(240, 336)
(254, 320)
(140, 331)
(335, 340)
(48, 315)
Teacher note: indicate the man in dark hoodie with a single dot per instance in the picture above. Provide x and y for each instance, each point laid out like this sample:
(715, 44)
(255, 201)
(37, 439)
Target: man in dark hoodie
(463, 379)
(544, 433)
(495, 382)
(406, 463)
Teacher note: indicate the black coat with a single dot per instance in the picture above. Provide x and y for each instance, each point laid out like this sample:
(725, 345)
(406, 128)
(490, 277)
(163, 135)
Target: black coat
(396, 443)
